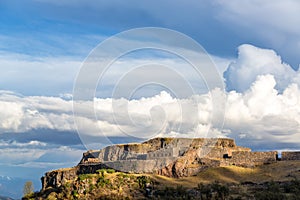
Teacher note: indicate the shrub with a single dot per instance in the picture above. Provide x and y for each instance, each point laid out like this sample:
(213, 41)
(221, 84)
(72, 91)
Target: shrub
(272, 192)
(92, 187)
(82, 177)
(110, 171)
(173, 193)
(180, 191)
(273, 187)
(221, 190)
(293, 187)
(267, 195)
(205, 190)
(101, 172)
(123, 175)
(101, 182)
(75, 193)
(143, 180)
(67, 185)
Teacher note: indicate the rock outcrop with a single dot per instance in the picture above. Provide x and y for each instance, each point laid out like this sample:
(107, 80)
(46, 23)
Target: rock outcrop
(58, 177)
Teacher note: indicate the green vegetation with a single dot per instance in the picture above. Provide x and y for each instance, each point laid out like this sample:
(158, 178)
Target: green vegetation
(110, 171)
(293, 187)
(215, 189)
(277, 191)
(101, 182)
(143, 180)
(102, 172)
(82, 177)
(75, 194)
(222, 191)
(124, 175)
(173, 193)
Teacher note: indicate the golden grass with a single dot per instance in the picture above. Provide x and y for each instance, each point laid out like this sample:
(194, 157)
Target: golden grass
(280, 171)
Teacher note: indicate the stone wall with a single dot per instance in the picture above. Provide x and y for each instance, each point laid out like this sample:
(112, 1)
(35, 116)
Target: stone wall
(169, 152)
(250, 159)
(287, 155)
(140, 166)
(217, 153)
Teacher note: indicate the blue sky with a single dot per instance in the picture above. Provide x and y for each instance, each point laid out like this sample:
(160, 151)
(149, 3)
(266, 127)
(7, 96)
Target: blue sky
(43, 44)
(40, 30)
(53, 28)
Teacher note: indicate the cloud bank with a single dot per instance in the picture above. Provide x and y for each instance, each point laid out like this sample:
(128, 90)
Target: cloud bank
(263, 104)
(261, 112)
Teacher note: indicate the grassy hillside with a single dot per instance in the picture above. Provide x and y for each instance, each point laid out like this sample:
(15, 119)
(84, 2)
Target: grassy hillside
(280, 171)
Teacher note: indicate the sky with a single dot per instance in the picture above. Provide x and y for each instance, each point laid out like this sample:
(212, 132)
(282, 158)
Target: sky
(253, 47)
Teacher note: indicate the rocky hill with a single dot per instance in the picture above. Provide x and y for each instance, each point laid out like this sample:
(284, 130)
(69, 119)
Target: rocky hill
(278, 180)
(134, 170)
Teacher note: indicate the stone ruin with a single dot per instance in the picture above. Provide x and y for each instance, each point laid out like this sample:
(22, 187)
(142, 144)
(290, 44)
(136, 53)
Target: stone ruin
(163, 156)
(290, 155)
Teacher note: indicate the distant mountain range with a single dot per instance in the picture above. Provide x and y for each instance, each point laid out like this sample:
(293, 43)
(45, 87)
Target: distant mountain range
(11, 187)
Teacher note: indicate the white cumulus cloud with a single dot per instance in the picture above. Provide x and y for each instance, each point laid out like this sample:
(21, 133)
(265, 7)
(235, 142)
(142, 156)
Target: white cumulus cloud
(261, 112)
(253, 61)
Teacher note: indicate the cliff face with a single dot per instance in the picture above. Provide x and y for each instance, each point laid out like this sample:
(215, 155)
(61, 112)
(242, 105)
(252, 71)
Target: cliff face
(59, 177)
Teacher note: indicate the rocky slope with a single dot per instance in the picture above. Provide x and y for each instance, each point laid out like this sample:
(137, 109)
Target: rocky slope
(273, 181)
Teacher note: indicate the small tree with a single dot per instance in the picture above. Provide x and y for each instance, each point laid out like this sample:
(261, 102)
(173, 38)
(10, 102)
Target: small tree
(28, 188)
